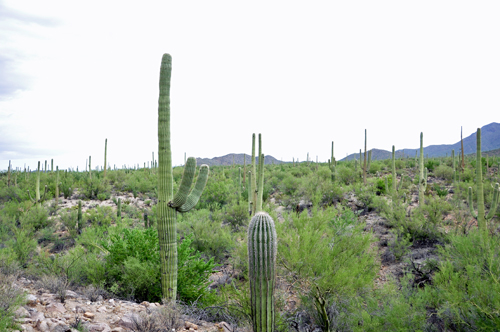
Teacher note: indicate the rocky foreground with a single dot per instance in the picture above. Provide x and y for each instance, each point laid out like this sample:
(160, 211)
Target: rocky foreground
(46, 312)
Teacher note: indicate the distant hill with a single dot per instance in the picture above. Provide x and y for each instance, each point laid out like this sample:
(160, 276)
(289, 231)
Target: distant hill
(490, 140)
(227, 160)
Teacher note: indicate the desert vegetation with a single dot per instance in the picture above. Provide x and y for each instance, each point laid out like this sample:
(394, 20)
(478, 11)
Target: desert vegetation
(402, 244)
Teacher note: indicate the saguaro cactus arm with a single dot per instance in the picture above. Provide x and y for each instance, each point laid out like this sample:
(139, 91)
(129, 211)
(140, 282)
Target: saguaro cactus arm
(187, 179)
(195, 194)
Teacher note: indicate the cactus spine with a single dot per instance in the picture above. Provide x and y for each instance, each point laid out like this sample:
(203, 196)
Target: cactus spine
(423, 177)
(262, 249)
(480, 215)
(168, 204)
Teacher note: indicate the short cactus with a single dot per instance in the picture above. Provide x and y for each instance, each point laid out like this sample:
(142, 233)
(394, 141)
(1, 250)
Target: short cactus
(262, 249)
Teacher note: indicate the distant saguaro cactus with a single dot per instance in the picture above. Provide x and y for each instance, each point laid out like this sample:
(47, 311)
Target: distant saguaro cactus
(423, 175)
(480, 215)
(37, 200)
(262, 249)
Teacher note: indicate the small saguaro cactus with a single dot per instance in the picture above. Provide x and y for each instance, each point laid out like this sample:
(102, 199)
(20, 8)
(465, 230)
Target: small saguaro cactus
(105, 156)
(168, 204)
(79, 218)
(37, 200)
(423, 174)
(119, 208)
(262, 249)
(364, 162)
(480, 215)
(393, 166)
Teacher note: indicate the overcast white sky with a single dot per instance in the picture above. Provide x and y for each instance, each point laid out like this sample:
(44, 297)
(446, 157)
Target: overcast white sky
(302, 73)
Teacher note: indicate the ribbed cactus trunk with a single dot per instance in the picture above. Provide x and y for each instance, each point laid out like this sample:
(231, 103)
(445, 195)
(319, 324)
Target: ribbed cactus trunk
(168, 204)
(479, 183)
(167, 216)
(254, 177)
(37, 187)
(262, 249)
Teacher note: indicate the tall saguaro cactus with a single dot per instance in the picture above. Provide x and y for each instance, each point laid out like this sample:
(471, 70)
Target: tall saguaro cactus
(262, 249)
(168, 204)
(480, 215)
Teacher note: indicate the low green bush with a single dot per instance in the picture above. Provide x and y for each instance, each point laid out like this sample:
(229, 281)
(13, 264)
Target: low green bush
(466, 291)
(133, 267)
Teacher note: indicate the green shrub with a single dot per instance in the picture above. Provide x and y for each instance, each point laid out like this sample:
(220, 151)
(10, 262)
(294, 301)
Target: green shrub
(445, 172)
(133, 267)
(10, 300)
(347, 175)
(209, 236)
(36, 218)
(329, 256)
(466, 290)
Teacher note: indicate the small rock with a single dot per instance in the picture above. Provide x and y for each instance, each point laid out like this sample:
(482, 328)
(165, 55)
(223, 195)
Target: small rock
(22, 312)
(32, 300)
(189, 326)
(102, 309)
(89, 315)
(27, 328)
(70, 294)
(128, 319)
(42, 326)
(99, 327)
(56, 307)
(37, 316)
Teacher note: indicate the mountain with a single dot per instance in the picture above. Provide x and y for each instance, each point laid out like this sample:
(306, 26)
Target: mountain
(490, 140)
(227, 160)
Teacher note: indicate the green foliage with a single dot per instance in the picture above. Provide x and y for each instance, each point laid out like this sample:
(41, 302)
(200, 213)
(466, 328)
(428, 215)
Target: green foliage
(466, 290)
(133, 267)
(347, 175)
(209, 236)
(327, 254)
(445, 172)
(430, 164)
(36, 218)
(10, 300)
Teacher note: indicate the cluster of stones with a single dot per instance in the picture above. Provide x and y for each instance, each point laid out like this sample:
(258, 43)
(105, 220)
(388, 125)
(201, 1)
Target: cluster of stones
(45, 312)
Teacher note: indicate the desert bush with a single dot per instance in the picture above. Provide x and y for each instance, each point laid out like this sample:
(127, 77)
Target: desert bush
(133, 267)
(445, 172)
(23, 244)
(10, 300)
(166, 318)
(466, 290)
(347, 175)
(328, 256)
(55, 284)
(209, 236)
(36, 218)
